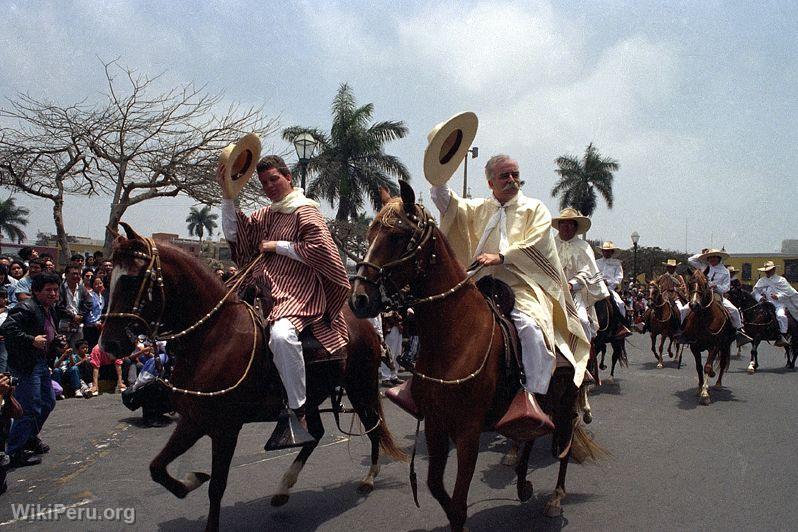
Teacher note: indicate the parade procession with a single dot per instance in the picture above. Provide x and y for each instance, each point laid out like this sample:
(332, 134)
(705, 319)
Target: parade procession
(415, 324)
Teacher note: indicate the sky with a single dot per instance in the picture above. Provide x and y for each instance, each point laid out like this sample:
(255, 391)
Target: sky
(697, 101)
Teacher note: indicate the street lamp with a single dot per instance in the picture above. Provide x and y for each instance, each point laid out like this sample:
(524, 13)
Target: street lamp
(474, 154)
(635, 238)
(305, 145)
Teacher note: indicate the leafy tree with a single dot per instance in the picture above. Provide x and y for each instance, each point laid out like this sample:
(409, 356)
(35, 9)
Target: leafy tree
(351, 165)
(581, 178)
(200, 220)
(13, 219)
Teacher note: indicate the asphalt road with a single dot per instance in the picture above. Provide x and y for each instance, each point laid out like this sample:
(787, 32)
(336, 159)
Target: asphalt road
(675, 466)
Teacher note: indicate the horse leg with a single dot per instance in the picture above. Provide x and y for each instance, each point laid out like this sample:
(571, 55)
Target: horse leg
(615, 358)
(182, 439)
(724, 357)
(670, 346)
(438, 452)
(703, 393)
(223, 446)
(603, 350)
(553, 507)
(467, 443)
(660, 361)
(584, 405)
(654, 344)
(524, 487)
(316, 429)
(752, 365)
(367, 484)
(510, 458)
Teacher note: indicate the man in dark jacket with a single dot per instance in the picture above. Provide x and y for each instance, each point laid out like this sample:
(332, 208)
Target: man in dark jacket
(29, 331)
(74, 303)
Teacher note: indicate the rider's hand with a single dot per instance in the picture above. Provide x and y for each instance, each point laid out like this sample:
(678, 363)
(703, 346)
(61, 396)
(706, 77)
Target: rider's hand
(268, 246)
(40, 341)
(774, 296)
(489, 259)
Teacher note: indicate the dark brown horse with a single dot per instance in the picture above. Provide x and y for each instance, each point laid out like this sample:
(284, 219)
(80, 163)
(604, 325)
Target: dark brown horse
(761, 325)
(662, 319)
(460, 359)
(708, 328)
(222, 376)
(609, 320)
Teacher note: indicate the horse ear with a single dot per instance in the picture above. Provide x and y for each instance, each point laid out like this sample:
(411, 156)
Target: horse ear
(131, 234)
(385, 195)
(408, 196)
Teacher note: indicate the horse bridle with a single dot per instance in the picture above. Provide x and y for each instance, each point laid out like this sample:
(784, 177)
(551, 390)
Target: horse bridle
(423, 227)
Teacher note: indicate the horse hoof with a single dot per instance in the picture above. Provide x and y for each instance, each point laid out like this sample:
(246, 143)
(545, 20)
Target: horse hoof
(510, 459)
(587, 417)
(659, 365)
(365, 488)
(553, 509)
(704, 400)
(525, 491)
(279, 499)
(751, 369)
(193, 481)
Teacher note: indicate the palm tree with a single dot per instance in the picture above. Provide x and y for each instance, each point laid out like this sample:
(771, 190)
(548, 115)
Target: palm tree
(581, 178)
(13, 219)
(351, 165)
(199, 220)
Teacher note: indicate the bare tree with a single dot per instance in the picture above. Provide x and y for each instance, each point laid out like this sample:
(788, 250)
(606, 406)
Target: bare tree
(42, 155)
(149, 146)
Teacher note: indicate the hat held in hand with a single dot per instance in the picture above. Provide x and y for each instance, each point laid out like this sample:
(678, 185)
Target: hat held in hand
(448, 144)
(239, 159)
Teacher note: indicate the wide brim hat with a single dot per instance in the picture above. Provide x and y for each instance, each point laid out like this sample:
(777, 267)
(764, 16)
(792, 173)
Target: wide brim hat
(240, 160)
(608, 245)
(769, 265)
(671, 262)
(447, 145)
(713, 253)
(582, 222)
(731, 269)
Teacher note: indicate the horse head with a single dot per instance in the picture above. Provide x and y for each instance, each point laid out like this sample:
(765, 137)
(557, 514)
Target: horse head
(654, 293)
(401, 241)
(700, 292)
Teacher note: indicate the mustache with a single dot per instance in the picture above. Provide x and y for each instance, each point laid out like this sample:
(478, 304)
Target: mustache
(513, 185)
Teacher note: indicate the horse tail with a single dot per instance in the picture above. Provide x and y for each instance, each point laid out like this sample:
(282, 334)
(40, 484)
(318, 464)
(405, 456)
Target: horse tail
(387, 443)
(584, 448)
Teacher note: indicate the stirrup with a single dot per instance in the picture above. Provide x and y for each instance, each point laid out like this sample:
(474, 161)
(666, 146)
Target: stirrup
(288, 433)
(781, 341)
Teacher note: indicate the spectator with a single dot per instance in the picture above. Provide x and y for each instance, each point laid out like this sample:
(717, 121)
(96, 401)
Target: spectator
(3, 316)
(88, 277)
(219, 273)
(74, 365)
(100, 358)
(22, 291)
(91, 264)
(17, 269)
(105, 272)
(9, 284)
(132, 365)
(232, 270)
(49, 266)
(29, 330)
(77, 260)
(27, 254)
(75, 302)
(92, 324)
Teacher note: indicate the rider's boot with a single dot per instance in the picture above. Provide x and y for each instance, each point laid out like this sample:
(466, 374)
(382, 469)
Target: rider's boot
(291, 431)
(743, 338)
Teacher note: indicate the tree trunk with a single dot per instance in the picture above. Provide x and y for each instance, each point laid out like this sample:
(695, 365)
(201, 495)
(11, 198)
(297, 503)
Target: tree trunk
(117, 211)
(58, 217)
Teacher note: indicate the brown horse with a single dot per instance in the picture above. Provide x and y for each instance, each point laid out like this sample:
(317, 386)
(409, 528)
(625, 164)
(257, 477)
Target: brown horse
(708, 328)
(460, 361)
(662, 319)
(222, 376)
(761, 325)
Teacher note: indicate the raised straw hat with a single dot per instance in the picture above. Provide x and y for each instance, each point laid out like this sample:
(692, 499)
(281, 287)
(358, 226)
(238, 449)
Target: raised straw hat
(240, 160)
(713, 253)
(569, 213)
(769, 265)
(448, 144)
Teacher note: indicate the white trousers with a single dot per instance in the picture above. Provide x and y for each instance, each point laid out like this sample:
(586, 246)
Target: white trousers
(584, 317)
(393, 339)
(781, 317)
(287, 354)
(619, 302)
(538, 361)
(735, 316)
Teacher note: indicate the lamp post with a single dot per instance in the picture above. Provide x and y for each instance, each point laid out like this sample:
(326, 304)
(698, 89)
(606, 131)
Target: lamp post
(305, 145)
(635, 238)
(474, 154)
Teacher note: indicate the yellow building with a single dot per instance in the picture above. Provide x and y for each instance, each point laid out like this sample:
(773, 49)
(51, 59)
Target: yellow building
(747, 264)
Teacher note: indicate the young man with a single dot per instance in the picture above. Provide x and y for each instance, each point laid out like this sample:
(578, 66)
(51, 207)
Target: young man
(777, 290)
(22, 291)
(510, 234)
(579, 265)
(74, 302)
(302, 271)
(28, 331)
(710, 261)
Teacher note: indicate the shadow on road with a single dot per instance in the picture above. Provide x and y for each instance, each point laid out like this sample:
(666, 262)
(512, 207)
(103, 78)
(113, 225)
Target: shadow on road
(607, 388)
(688, 399)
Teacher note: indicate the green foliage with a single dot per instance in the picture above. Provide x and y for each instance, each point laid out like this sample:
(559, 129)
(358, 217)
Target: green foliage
(13, 219)
(351, 166)
(200, 220)
(581, 178)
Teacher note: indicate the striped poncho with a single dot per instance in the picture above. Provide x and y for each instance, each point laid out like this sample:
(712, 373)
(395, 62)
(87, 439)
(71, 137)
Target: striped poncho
(311, 293)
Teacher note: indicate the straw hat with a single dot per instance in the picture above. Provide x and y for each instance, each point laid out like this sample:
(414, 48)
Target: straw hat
(448, 144)
(732, 270)
(769, 265)
(713, 253)
(582, 222)
(671, 262)
(608, 245)
(239, 160)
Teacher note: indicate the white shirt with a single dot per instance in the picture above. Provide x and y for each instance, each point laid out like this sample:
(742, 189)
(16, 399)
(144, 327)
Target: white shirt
(718, 276)
(611, 270)
(230, 230)
(775, 284)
